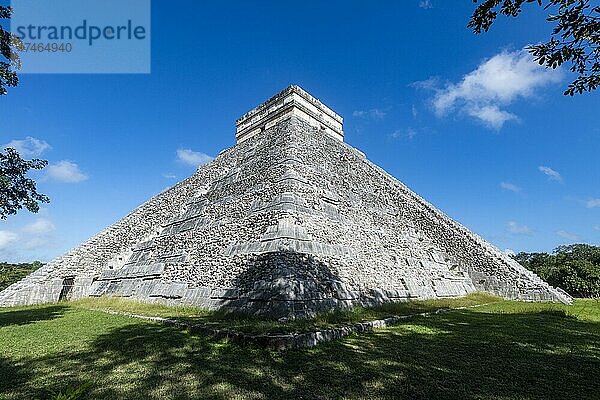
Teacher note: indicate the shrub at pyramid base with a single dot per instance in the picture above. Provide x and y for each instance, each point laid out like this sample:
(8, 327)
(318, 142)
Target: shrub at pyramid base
(288, 222)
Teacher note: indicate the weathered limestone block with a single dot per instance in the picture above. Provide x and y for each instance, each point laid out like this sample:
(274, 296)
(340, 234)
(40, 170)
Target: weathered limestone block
(168, 290)
(135, 271)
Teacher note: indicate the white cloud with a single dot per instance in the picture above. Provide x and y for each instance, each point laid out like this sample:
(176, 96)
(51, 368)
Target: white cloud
(509, 252)
(592, 203)
(33, 241)
(567, 235)
(495, 83)
(7, 238)
(491, 115)
(510, 187)
(518, 229)
(36, 243)
(193, 158)
(29, 147)
(550, 173)
(597, 227)
(408, 133)
(425, 4)
(39, 227)
(65, 171)
(432, 83)
(374, 114)
(169, 176)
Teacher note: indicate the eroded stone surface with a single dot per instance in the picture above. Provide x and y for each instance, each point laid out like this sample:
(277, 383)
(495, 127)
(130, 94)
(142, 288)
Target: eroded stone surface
(288, 222)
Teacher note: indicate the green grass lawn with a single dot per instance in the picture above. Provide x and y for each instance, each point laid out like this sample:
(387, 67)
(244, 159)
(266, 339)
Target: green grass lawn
(504, 350)
(255, 325)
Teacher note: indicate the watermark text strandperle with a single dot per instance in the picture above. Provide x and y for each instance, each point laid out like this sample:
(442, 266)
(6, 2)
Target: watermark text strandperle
(84, 31)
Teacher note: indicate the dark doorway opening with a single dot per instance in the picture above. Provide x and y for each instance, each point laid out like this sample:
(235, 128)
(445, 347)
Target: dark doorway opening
(67, 288)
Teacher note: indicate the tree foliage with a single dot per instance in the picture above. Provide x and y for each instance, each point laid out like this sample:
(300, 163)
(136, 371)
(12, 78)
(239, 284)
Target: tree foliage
(9, 59)
(11, 273)
(574, 268)
(16, 190)
(575, 37)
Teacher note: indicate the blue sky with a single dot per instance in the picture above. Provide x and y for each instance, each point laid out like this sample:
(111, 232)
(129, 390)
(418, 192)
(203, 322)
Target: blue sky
(468, 122)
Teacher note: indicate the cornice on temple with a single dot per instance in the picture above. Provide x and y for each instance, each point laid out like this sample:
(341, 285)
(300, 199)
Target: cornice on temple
(293, 101)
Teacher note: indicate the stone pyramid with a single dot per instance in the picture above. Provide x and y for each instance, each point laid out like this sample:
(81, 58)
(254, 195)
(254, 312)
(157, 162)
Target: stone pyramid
(288, 222)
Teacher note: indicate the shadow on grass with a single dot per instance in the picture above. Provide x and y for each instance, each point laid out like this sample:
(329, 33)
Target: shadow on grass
(29, 315)
(461, 354)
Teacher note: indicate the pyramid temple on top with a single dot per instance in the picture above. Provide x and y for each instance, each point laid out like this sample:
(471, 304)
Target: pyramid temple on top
(288, 222)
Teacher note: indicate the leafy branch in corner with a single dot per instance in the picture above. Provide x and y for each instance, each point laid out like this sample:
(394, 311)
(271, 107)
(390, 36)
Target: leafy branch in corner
(575, 37)
(9, 59)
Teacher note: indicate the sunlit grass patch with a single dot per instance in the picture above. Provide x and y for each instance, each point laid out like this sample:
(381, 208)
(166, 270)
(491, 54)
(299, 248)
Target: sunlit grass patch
(253, 324)
(586, 309)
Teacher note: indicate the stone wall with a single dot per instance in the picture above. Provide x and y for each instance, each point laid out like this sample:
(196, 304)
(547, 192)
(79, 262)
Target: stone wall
(286, 223)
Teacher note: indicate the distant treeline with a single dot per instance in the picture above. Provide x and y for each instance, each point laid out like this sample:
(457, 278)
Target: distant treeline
(574, 268)
(11, 273)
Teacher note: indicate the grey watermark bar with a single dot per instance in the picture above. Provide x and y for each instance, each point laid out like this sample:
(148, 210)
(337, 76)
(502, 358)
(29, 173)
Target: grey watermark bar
(83, 36)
